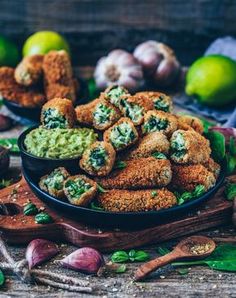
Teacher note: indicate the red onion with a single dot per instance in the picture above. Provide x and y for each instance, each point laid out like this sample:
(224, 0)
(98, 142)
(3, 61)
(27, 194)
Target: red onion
(39, 251)
(86, 259)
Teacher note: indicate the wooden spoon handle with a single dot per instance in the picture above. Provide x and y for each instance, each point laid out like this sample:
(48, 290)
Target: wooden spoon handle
(152, 265)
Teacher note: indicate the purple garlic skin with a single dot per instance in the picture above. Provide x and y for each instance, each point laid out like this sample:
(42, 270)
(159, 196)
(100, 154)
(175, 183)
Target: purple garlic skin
(119, 68)
(39, 251)
(86, 260)
(158, 62)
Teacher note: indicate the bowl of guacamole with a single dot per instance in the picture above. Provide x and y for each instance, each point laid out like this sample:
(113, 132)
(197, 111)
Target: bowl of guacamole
(43, 149)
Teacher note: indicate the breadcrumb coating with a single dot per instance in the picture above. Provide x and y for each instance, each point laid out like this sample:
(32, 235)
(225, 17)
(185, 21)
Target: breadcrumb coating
(10, 90)
(136, 200)
(213, 167)
(187, 122)
(187, 177)
(29, 71)
(160, 101)
(139, 173)
(84, 113)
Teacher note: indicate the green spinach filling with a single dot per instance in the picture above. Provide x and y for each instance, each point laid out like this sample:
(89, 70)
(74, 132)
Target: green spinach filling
(122, 135)
(132, 111)
(103, 114)
(97, 158)
(161, 103)
(55, 180)
(155, 124)
(178, 146)
(53, 119)
(77, 187)
(115, 94)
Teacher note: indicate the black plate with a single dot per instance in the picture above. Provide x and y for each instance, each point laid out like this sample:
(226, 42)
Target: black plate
(34, 113)
(128, 220)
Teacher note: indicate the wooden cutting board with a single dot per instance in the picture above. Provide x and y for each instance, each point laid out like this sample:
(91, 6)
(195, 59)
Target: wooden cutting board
(19, 229)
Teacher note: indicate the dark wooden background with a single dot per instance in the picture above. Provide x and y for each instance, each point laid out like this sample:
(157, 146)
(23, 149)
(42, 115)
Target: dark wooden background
(94, 27)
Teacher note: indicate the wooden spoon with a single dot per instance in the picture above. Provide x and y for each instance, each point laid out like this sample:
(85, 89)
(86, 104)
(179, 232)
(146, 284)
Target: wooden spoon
(186, 248)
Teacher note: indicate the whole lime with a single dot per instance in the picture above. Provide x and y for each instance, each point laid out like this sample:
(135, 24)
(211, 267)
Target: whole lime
(212, 80)
(44, 41)
(9, 53)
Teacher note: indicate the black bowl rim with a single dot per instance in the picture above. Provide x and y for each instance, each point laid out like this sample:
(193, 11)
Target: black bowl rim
(21, 145)
(183, 207)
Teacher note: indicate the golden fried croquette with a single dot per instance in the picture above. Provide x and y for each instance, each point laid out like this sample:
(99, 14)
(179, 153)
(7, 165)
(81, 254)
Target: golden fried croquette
(139, 173)
(213, 167)
(159, 121)
(189, 147)
(98, 159)
(151, 143)
(134, 107)
(53, 183)
(58, 113)
(114, 93)
(187, 177)
(120, 200)
(29, 71)
(105, 115)
(80, 190)
(160, 101)
(84, 113)
(57, 70)
(19, 94)
(122, 134)
(187, 122)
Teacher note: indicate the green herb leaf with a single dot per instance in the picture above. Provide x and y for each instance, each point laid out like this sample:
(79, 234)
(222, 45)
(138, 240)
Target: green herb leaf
(206, 125)
(141, 256)
(30, 209)
(120, 164)
(121, 269)
(154, 193)
(2, 278)
(93, 91)
(183, 271)
(231, 163)
(217, 141)
(159, 155)
(101, 189)
(120, 256)
(232, 146)
(230, 191)
(96, 207)
(4, 183)
(187, 196)
(163, 250)
(10, 144)
(43, 218)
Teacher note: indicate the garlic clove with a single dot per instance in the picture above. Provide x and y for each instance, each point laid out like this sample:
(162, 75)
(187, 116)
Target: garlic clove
(39, 251)
(86, 260)
(166, 72)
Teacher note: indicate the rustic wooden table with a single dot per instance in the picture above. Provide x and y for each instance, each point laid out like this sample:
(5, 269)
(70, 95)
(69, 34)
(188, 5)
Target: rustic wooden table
(167, 282)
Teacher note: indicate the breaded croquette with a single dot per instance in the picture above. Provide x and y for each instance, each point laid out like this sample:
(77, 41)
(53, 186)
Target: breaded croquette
(159, 121)
(134, 107)
(114, 93)
(53, 183)
(120, 200)
(189, 147)
(187, 122)
(151, 143)
(122, 134)
(58, 113)
(57, 70)
(139, 173)
(187, 177)
(213, 167)
(80, 190)
(160, 101)
(29, 71)
(19, 94)
(105, 115)
(84, 113)
(98, 159)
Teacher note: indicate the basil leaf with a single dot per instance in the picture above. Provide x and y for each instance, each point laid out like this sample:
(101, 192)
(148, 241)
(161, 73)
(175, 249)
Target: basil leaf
(141, 256)
(2, 278)
(120, 165)
(132, 253)
(230, 191)
(121, 269)
(120, 256)
(217, 141)
(10, 144)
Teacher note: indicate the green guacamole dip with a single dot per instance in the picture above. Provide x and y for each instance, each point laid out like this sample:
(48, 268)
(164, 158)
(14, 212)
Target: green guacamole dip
(59, 143)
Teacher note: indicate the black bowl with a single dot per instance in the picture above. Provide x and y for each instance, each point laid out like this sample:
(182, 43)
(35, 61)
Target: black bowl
(33, 114)
(127, 220)
(40, 166)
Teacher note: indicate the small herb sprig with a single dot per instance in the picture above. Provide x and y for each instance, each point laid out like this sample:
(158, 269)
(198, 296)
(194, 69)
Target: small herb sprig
(187, 196)
(122, 256)
(230, 191)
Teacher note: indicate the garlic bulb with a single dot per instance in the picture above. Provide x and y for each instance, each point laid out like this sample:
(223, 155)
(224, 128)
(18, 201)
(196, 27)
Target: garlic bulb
(119, 68)
(158, 61)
